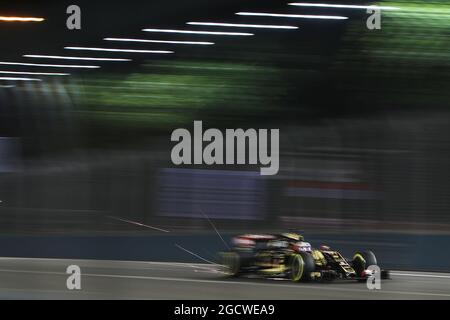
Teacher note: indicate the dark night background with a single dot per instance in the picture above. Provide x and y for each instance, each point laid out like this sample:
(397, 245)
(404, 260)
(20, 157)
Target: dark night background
(363, 118)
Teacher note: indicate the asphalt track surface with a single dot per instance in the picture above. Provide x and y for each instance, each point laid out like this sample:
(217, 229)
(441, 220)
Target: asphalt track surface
(23, 278)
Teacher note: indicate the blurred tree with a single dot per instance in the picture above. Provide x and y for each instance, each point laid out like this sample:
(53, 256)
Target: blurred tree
(402, 66)
(174, 94)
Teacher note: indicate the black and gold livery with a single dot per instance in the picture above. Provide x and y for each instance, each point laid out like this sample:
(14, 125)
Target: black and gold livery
(288, 255)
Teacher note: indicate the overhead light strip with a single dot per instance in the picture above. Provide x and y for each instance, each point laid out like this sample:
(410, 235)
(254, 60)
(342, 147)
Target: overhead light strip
(340, 6)
(199, 32)
(19, 79)
(21, 19)
(35, 73)
(48, 65)
(161, 41)
(240, 25)
(73, 58)
(118, 50)
(280, 15)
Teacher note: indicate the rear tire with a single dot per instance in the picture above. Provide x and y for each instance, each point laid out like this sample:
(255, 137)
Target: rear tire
(231, 262)
(301, 265)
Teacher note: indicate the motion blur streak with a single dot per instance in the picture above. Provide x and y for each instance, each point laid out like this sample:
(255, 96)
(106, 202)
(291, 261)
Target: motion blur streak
(344, 6)
(240, 25)
(160, 41)
(138, 224)
(199, 32)
(48, 65)
(35, 73)
(20, 19)
(117, 50)
(19, 79)
(280, 15)
(72, 58)
(194, 254)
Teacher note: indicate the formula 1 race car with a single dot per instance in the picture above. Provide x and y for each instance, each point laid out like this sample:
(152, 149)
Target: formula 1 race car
(287, 255)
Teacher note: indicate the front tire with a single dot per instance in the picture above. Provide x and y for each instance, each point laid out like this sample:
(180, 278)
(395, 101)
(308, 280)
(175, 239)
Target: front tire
(362, 260)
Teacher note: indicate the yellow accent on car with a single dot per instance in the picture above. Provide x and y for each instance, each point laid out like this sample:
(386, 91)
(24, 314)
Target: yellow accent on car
(293, 236)
(319, 258)
(298, 275)
(278, 269)
(359, 256)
